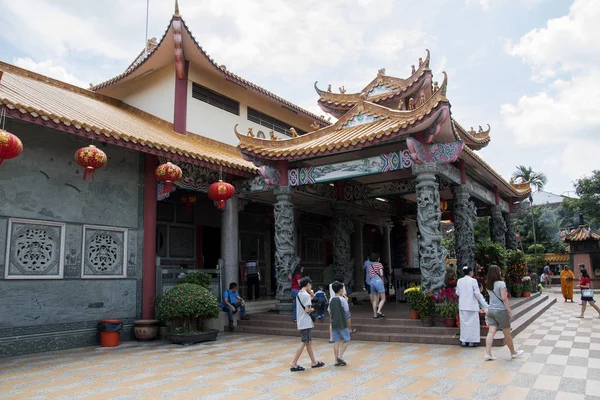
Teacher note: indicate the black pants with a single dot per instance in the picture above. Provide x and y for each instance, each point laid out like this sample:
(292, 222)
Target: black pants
(321, 307)
(253, 287)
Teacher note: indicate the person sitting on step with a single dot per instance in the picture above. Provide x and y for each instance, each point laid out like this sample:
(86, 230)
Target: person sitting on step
(232, 301)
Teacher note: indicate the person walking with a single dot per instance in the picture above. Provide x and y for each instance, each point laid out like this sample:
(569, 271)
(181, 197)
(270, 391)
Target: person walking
(587, 291)
(499, 314)
(366, 266)
(253, 276)
(338, 309)
(377, 287)
(469, 301)
(548, 275)
(567, 278)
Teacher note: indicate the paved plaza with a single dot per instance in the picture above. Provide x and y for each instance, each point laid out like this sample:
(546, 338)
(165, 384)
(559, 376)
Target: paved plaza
(562, 361)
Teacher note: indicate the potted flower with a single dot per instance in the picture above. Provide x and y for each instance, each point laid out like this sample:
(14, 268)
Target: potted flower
(186, 308)
(413, 296)
(448, 310)
(426, 308)
(518, 289)
(527, 286)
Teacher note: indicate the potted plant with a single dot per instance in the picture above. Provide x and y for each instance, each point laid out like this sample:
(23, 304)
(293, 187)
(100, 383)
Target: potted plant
(518, 289)
(413, 296)
(527, 286)
(186, 308)
(448, 310)
(426, 308)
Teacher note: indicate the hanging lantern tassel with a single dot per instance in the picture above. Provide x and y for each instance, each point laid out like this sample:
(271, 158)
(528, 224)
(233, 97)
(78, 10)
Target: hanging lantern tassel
(220, 192)
(90, 158)
(168, 173)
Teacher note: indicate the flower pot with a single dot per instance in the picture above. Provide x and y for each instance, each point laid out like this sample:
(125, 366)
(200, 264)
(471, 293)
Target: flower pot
(163, 331)
(413, 314)
(191, 338)
(427, 321)
(517, 294)
(145, 329)
(450, 322)
(526, 294)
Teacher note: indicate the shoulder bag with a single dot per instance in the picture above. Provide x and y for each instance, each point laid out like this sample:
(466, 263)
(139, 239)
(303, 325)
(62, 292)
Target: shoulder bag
(587, 293)
(310, 314)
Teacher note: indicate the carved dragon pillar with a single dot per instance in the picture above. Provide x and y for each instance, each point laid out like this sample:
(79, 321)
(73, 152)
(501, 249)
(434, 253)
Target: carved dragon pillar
(511, 232)
(465, 213)
(498, 226)
(285, 246)
(431, 252)
(343, 263)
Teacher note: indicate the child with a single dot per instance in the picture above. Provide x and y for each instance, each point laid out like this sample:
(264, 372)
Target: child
(305, 325)
(338, 308)
(321, 302)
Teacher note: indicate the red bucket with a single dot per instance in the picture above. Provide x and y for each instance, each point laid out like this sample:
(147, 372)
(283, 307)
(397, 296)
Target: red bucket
(110, 339)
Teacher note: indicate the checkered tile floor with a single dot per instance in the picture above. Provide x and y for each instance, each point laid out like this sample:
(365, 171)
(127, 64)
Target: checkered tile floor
(562, 361)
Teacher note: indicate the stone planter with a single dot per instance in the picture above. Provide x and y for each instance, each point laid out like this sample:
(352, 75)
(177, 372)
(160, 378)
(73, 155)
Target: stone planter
(413, 314)
(526, 294)
(163, 331)
(145, 329)
(191, 338)
(427, 321)
(450, 322)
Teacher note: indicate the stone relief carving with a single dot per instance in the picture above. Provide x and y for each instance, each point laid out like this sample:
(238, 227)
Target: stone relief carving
(286, 259)
(36, 249)
(104, 252)
(498, 226)
(465, 214)
(431, 251)
(343, 227)
(511, 232)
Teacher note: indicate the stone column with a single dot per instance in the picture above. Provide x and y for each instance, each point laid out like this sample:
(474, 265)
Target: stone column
(229, 242)
(286, 259)
(465, 214)
(359, 257)
(431, 253)
(149, 257)
(343, 264)
(498, 226)
(511, 231)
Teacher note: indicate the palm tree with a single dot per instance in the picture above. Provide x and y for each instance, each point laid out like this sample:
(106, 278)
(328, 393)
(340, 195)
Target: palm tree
(536, 179)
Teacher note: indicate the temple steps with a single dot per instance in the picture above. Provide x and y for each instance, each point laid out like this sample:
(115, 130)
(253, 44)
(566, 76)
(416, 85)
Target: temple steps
(395, 328)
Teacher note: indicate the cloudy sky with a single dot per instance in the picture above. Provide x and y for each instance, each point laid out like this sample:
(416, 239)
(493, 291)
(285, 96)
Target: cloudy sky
(529, 68)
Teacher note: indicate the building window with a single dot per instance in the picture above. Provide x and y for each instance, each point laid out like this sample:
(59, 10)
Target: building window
(270, 122)
(215, 99)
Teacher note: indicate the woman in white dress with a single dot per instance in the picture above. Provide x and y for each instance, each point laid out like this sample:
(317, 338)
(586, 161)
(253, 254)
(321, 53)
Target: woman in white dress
(469, 300)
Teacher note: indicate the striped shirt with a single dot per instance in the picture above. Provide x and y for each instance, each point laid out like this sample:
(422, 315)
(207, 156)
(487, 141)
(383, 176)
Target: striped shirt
(376, 269)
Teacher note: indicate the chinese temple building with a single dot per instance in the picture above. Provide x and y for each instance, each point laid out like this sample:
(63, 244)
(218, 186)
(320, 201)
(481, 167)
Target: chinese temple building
(584, 249)
(85, 238)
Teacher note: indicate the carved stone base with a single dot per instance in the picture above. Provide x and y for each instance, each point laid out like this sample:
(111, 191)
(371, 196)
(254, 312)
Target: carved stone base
(285, 308)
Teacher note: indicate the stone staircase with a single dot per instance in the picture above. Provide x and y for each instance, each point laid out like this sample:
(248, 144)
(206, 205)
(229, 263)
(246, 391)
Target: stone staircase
(396, 329)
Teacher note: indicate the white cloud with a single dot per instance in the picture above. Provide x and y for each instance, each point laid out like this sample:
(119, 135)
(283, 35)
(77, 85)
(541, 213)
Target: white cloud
(485, 4)
(563, 116)
(50, 69)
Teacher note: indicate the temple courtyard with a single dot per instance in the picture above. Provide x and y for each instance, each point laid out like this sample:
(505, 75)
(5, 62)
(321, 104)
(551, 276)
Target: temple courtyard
(562, 361)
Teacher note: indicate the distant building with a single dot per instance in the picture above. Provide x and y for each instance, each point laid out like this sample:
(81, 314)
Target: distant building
(544, 198)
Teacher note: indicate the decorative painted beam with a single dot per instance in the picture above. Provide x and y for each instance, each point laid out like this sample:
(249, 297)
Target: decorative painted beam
(350, 169)
(253, 185)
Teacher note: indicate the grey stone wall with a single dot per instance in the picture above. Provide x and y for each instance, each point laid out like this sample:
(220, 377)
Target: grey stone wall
(42, 311)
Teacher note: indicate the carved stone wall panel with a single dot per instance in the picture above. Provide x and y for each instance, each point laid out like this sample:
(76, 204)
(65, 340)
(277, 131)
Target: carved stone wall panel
(73, 251)
(498, 226)
(286, 259)
(133, 269)
(104, 252)
(3, 234)
(343, 227)
(35, 249)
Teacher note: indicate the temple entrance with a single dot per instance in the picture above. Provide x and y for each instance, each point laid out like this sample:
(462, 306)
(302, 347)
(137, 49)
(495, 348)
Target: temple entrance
(211, 247)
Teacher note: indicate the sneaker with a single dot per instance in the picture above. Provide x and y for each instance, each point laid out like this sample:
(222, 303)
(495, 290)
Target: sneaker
(517, 354)
(490, 358)
(245, 318)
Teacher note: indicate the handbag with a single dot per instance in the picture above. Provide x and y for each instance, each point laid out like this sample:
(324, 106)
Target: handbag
(310, 314)
(587, 293)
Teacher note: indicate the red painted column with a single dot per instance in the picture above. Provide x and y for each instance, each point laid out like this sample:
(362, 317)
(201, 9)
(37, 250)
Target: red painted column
(463, 172)
(283, 167)
(149, 260)
(181, 95)
(496, 195)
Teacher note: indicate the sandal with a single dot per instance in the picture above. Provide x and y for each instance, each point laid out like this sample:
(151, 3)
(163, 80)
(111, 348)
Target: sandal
(381, 315)
(331, 341)
(318, 365)
(353, 330)
(297, 368)
(340, 362)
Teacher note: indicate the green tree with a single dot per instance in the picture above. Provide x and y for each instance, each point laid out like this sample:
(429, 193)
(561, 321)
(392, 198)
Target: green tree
(482, 229)
(536, 179)
(545, 231)
(588, 203)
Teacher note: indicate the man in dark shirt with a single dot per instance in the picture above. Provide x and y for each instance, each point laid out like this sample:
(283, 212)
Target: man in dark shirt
(253, 276)
(338, 308)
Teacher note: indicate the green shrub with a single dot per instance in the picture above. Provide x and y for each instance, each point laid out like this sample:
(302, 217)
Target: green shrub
(197, 278)
(448, 309)
(187, 306)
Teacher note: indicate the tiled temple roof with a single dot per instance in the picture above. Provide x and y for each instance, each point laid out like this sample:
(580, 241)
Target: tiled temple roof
(50, 102)
(556, 257)
(580, 234)
(474, 140)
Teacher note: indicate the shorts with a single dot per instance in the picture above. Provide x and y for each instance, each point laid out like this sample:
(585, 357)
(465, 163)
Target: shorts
(498, 318)
(305, 335)
(377, 286)
(589, 299)
(340, 334)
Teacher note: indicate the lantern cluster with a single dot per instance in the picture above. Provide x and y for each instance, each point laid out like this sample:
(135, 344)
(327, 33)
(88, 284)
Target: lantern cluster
(10, 146)
(90, 158)
(188, 200)
(219, 192)
(168, 173)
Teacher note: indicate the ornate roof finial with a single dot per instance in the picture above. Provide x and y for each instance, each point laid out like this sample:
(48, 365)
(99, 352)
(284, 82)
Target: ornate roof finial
(250, 133)
(293, 132)
(315, 125)
(176, 9)
(342, 89)
(273, 136)
(413, 70)
(329, 88)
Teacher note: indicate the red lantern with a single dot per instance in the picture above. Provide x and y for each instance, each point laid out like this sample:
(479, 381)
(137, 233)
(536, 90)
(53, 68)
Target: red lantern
(168, 173)
(90, 158)
(518, 236)
(220, 191)
(188, 200)
(10, 145)
(443, 205)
